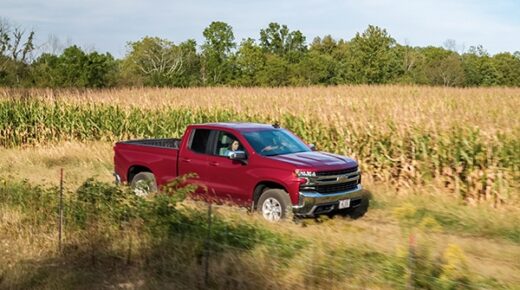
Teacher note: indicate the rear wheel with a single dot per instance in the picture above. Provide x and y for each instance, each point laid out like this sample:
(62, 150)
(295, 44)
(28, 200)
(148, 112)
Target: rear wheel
(144, 183)
(274, 204)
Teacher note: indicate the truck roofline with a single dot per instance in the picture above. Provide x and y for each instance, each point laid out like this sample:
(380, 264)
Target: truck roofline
(237, 126)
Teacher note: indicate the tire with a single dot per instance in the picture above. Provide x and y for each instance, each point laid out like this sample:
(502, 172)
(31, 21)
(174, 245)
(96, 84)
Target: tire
(143, 184)
(274, 205)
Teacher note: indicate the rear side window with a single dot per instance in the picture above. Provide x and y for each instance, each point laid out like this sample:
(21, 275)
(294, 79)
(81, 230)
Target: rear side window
(200, 140)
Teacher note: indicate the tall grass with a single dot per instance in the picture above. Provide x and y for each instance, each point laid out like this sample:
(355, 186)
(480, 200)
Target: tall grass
(433, 108)
(474, 165)
(116, 239)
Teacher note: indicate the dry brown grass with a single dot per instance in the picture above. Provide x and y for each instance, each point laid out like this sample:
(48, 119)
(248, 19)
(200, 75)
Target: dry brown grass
(379, 231)
(42, 164)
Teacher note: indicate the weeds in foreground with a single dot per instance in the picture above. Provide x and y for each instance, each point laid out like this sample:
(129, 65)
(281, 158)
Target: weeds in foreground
(113, 237)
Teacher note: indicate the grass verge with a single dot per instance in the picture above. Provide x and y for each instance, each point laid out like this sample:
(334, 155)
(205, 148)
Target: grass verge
(116, 239)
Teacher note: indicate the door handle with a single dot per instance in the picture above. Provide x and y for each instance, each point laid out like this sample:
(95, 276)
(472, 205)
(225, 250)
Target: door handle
(213, 163)
(185, 160)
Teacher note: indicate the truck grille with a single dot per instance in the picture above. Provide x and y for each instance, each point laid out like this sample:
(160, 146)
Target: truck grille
(337, 187)
(334, 181)
(337, 172)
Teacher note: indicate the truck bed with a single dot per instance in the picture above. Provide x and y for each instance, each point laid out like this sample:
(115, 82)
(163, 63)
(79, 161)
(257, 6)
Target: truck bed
(158, 155)
(164, 143)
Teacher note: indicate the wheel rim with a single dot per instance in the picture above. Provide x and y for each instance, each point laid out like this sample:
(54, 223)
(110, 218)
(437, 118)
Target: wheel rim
(272, 209)
(141, 188)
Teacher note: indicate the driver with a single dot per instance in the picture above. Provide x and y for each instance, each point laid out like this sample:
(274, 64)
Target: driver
(276, 144)
(232, 148)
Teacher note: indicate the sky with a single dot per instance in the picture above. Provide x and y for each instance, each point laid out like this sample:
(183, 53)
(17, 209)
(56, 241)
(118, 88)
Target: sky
(108, 25)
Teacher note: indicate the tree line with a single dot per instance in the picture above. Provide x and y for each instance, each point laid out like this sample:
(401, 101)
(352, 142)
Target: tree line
(279, 57)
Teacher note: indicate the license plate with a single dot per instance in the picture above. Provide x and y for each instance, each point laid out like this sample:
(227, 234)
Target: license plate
(344, 203)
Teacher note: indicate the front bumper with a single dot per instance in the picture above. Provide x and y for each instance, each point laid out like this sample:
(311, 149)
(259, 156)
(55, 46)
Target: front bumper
(312, 203)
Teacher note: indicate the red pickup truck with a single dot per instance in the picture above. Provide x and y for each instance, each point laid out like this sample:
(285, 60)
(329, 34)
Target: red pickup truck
(264, 167)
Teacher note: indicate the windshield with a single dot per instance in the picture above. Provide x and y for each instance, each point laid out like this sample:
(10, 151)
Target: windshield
(275, 142)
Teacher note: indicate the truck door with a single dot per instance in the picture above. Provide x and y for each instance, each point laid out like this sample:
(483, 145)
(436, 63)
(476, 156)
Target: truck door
(228, 177)
(194, 159)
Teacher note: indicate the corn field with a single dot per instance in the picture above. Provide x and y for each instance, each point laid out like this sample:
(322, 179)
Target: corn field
(465, 141)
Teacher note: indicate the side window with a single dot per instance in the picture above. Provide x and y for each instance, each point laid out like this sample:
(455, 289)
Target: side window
(200, 140)
(227, 143)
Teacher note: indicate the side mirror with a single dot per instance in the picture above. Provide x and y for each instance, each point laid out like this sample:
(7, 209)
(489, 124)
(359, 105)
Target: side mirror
(237, 155)
(313, 147)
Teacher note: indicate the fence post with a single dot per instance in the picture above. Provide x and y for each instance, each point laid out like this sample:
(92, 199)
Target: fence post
(60, 221)
(207, 246)
(411, 262)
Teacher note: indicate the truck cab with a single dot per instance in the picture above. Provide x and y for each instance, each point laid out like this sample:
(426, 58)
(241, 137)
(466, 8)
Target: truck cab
(261, 166)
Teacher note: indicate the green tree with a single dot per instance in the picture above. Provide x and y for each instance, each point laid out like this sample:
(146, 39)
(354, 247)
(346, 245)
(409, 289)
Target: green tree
(410, 59)
(71, 67)
(440, 66)
(190, 74)
(75, 68)
(341, 55)
(217, 67)
(327, 45)
(279, 40)
(471, 62)
(275, 73)
(44, 71)
(315, 68)
(100, 70)
(372, 59)
(319, 65)
(250, 60)
(507, 67)
(478, 68)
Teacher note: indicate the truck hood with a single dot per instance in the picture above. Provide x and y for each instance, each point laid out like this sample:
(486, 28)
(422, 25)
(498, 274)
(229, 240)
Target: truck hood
(319, 161)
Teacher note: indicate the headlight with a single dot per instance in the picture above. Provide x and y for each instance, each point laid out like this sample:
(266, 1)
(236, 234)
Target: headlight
(304, 173)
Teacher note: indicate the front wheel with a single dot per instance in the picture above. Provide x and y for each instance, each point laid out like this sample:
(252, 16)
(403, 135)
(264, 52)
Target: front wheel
(143, 184)
(274, 204)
